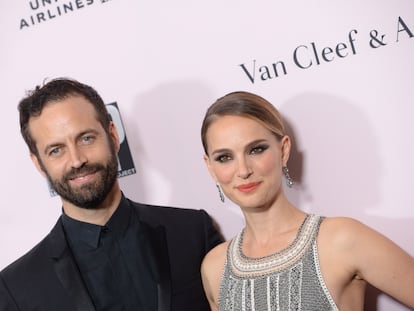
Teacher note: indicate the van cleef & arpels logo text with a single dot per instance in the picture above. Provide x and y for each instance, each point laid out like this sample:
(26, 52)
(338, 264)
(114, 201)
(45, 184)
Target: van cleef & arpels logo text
(42, 11)
(310, 55)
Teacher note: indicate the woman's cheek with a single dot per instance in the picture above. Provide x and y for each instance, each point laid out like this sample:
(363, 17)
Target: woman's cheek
(224, 175)
(269, 165)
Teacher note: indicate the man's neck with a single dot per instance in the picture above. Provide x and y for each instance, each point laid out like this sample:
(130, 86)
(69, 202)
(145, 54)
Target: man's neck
(99, 215)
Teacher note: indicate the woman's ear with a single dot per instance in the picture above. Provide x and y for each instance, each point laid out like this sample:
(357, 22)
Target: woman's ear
(209, 167)
(286, 145)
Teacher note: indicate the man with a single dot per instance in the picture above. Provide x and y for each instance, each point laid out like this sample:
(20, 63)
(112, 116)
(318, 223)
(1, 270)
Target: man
(105, 252)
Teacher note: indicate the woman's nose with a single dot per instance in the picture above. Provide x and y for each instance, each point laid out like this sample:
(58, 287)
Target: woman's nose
(244, 169)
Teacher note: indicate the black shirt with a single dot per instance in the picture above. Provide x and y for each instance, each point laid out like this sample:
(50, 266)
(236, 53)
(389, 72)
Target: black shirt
(111, 262)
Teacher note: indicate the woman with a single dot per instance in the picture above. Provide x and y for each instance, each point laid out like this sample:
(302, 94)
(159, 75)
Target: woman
(285, 259)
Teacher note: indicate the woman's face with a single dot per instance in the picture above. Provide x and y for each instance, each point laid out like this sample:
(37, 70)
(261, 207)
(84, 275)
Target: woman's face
(246, 159)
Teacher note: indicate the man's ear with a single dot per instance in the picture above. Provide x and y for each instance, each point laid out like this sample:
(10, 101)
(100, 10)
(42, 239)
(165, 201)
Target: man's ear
(113, 134)
(36, 162)
(286, 145)
(210, 169)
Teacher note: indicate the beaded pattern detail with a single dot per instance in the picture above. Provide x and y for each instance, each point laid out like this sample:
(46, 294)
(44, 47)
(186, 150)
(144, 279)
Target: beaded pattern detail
(289, 279)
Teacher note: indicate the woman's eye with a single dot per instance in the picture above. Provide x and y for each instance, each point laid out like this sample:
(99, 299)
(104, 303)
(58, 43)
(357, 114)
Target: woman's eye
(258, 149)
(223, 158)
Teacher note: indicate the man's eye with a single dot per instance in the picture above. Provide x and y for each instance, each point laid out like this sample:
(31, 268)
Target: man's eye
(87, 139)
(54, 151)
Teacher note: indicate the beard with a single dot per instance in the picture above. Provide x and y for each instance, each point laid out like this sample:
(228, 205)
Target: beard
(89, 195)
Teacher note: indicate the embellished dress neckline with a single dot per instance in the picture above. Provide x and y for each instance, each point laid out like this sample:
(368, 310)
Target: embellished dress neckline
(287, 280)
(250, 266)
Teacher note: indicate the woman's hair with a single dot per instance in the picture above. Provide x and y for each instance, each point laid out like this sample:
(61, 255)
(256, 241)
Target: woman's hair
(247, 105)
(56, 90)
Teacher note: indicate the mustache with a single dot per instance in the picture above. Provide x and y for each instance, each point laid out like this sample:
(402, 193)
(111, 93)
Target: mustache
(83, 170)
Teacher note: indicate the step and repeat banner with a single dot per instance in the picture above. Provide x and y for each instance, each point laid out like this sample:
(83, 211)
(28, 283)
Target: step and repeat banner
(341, 73)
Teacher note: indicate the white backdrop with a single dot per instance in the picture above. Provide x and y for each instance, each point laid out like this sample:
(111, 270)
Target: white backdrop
(164, 63)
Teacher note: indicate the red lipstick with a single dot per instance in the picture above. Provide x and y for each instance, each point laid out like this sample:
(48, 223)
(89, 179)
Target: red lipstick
(248, 187)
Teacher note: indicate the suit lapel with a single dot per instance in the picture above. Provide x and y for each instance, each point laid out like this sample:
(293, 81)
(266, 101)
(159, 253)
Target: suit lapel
(161, 267)
(67, 271)
(153, 266)
(154, 251)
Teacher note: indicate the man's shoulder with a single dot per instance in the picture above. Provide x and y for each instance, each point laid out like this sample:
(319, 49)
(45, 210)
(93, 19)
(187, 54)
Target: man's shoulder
(149, 210)
(174, 219)
(187, 230)
(32, 260)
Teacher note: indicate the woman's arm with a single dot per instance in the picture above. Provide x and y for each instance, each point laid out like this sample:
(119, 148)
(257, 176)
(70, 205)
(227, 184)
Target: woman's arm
(211, 272)
(363, 253)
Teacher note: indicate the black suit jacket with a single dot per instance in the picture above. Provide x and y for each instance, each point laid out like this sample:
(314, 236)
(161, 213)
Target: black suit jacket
(174, 241)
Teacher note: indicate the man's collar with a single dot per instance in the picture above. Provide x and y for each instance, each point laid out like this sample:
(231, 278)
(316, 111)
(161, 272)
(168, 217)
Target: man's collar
(79, 231)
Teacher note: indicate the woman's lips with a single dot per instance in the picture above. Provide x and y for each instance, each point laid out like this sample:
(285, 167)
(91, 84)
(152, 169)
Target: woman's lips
(248, 187)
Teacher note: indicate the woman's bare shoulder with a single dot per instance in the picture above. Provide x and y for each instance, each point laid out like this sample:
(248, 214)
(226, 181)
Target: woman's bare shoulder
(341, 222)
(216, 255)
(213, 263)
(212, 269)
(368, 254)
(342, 226)
(343, 233)
(352, 238)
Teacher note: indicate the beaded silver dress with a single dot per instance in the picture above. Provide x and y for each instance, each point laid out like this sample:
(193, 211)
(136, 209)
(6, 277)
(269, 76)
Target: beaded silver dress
(287, 280)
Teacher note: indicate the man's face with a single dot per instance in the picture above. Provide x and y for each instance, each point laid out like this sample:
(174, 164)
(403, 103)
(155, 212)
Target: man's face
(75, 153)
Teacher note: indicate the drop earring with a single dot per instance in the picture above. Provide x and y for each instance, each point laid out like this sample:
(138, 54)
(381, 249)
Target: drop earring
(289, 180)
(221, 195)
